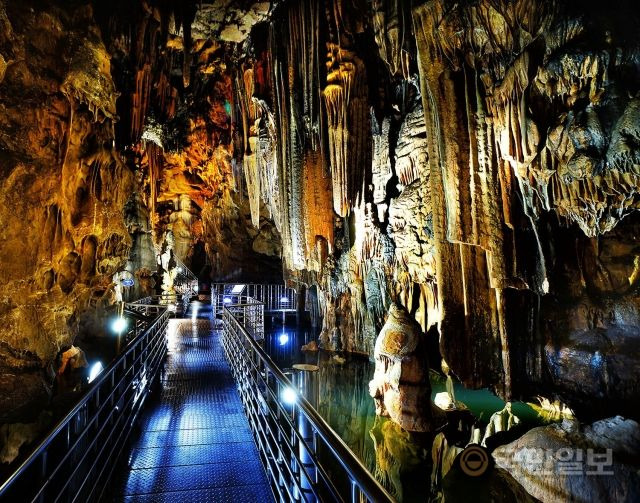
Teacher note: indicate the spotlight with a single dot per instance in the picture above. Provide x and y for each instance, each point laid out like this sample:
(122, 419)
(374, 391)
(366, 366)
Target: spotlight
(283, 338)
(289, 395)
(119, 325)
(227, 300)
(96, 368)
(284, 300)
(178, 269)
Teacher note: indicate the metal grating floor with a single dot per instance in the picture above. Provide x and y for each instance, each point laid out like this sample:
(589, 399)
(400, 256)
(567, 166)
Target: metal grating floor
(195, 443)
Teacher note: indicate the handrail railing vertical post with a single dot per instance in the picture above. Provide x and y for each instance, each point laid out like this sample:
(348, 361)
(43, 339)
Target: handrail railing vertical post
(354, 492)
(303, 380)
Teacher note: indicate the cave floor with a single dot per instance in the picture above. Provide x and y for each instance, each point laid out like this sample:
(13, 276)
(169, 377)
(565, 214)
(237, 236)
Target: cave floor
(194, 444)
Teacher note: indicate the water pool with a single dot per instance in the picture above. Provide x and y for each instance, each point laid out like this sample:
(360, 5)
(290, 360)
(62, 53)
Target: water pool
(399, 459)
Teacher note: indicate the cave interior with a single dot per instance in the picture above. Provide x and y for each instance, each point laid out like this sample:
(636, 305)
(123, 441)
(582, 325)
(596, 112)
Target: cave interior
(453, 185)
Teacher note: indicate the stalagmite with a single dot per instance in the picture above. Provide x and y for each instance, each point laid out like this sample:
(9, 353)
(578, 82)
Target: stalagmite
(400, 384)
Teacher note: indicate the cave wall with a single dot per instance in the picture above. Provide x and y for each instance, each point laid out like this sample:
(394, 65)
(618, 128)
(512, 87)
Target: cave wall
(62, 191)
(115, 153)
(178, 102)
(476, 162)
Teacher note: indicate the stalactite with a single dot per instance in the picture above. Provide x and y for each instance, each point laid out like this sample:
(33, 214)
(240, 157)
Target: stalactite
(293, 132)
(250, 130)
(267, 162)
(348, 127)
(464, 290)
(392, 28)
(188, 15)
(318, 212)
(140, 100)
(155, 158)
(346, 103)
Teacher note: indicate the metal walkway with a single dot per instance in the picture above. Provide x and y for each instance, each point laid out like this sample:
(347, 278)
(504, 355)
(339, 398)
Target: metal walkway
(195, 444)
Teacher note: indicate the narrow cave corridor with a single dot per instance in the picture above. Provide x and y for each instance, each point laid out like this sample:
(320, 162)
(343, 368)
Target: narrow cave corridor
(319, 250)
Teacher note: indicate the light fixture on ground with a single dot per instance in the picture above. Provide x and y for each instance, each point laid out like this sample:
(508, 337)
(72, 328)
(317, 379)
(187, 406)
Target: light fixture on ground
(119, 325)
(289, 396)
(96, 368)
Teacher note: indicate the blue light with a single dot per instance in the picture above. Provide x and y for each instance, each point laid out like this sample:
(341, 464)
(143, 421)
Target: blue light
(227, 300)
(289, 396)
(96, 368)
(119, 325)
(284, 300)
(283, 338)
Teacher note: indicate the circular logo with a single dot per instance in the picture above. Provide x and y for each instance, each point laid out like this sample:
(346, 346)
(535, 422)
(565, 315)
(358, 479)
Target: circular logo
(474, 460)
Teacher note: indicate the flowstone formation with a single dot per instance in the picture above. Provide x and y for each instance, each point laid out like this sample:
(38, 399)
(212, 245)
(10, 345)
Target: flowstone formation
(62, 195)
(523, 120)
(400, 385)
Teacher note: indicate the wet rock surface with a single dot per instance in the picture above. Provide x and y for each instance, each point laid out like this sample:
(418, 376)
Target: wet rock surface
(566, 462)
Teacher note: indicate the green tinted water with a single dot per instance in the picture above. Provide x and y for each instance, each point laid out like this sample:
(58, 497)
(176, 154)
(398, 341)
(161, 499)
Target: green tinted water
(399, 459)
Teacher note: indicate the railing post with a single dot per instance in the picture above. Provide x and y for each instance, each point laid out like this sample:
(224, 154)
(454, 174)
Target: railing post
(300, 296)
(43, 474)
(354, 491)
(305, 379)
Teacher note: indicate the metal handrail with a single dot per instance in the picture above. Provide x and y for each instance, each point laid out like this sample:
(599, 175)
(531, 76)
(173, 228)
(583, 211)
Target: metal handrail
(250, 313)
(275, 297)
(186, 282)
(127, 380)
(289, 453)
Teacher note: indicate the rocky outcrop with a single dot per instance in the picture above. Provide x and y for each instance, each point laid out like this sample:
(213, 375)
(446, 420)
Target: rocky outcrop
(565, 462)
(400, 385)
(228, 20)
(62, 192)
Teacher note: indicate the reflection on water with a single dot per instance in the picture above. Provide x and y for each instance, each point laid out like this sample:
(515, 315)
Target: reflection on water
(400, 460)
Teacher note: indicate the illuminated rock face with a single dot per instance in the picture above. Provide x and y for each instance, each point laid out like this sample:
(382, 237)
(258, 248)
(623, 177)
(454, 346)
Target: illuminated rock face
(515, 141)
(400, 385)
(62, 193)
(475, 163)
(545, 477)
(495, 183)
